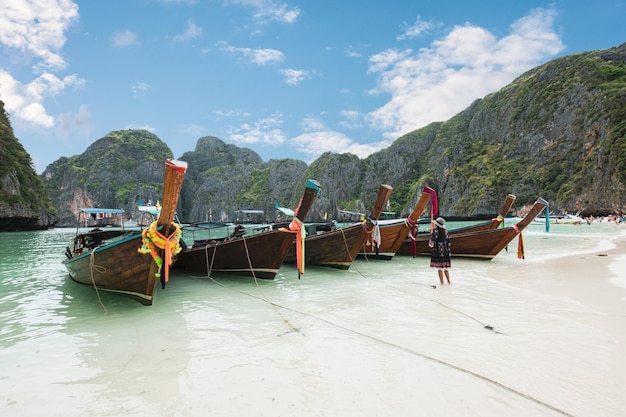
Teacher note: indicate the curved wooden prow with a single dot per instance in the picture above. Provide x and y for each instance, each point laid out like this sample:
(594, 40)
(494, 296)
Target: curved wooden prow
(173, 182)
(384, 192)
(420, 206)
(537, 208)
(508, 203)
(311, 191)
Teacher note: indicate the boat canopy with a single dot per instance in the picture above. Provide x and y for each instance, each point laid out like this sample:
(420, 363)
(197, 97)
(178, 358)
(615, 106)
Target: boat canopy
(284, 210)
(150, 209)
(101, 210)
(353, 213)
(250, 211)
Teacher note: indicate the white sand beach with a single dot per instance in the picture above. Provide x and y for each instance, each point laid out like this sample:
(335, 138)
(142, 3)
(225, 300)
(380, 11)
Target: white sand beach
(587, 294)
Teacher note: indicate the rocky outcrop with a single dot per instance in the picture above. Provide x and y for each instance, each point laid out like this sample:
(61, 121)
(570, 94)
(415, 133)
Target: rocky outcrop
(24, 203)
(120, 170)
(223, 179)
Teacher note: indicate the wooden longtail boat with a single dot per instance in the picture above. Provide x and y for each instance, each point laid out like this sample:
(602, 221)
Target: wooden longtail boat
(409, 246)
(259, 255)
(338, 248)
(110, 260)
(486, 243)
(393, 232)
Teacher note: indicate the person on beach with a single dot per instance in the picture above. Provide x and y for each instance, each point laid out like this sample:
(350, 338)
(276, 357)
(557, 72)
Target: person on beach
(440, 249)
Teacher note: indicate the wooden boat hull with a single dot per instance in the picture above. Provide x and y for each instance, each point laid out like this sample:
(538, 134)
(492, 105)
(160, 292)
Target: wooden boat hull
(482, 241)
(117, 268)
(484, 244)
(335, 249)
(117, 265)
(392, 235)
(259, 255)
(393, 232)
(338, 248)
(406, 249)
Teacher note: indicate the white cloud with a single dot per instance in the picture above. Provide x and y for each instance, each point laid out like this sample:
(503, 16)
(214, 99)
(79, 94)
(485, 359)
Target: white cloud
(350, 114)
(386, 59)
(193, 130)
(417, 29)
(316, 143)
(352, 119)
(25, 101)
(256, 56)
(267, 11)
(124, 39)
(318, 138)
(221, 114)
(294, 77)
(69, 122)
(351, 52)
(191, 32)
(265, 130)
(311, 124)
(37, 28)
(437, 82)
(140, 89)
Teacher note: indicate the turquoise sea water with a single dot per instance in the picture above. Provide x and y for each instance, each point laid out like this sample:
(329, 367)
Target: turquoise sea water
(376, 339)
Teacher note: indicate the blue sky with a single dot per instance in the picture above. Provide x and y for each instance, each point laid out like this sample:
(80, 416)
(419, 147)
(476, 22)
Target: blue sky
(284, 78)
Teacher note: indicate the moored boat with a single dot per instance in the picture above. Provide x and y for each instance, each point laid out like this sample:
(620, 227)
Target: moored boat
(259, 255)
(560, 219)
(393, 232)
(338, 248)
(409, 246)
(131, 263)
(485, 243)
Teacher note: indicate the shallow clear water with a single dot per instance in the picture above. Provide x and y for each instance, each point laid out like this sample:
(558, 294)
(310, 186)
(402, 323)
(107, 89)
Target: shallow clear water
(376, 339)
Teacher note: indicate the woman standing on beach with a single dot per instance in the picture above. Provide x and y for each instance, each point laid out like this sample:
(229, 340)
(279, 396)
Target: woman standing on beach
(440, 249)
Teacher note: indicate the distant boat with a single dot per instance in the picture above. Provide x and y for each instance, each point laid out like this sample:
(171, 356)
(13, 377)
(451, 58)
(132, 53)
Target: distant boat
(393, 232)
(560, 219)
(482, 243)
(110, 260)
(409, 246)
(339, 247)
(259, 255)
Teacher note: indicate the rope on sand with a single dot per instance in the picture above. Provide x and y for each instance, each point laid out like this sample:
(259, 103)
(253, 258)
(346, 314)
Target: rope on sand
(264, 297)
(485, 326)
(440, 361)
(402, 348)
(276, 306)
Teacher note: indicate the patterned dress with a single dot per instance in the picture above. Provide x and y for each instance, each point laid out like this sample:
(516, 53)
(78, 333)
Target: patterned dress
(440, 248)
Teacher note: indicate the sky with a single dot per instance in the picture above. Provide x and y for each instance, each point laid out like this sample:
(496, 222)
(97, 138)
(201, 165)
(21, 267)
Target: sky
(287, 79)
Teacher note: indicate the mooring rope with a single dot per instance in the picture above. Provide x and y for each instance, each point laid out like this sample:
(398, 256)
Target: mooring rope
(486, 326)
(407, 350)
(88, 410)
(209, 266)
(345, 244)
(100, 269)
(264, 298)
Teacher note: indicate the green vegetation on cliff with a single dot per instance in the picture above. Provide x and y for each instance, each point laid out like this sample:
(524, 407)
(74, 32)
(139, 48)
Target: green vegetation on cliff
(24, 203)
(116, 171)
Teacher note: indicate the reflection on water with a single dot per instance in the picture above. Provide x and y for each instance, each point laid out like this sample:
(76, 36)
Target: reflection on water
(376, 339)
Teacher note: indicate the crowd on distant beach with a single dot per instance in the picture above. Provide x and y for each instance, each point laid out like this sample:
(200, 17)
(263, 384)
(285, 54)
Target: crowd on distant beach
(616, 218)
